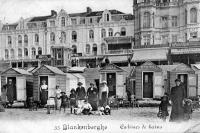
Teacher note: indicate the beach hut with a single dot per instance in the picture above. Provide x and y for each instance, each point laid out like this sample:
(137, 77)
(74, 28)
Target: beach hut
(148, 81)
(71, 82)
(196, 68)
(22, 81)
(116, 79)
(52, 75)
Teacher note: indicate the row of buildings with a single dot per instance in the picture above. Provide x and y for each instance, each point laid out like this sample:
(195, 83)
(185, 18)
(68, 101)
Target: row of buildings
(165, 32)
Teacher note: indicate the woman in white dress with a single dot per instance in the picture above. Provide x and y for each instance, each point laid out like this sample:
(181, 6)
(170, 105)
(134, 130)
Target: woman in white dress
(44, 93)
(104, 93)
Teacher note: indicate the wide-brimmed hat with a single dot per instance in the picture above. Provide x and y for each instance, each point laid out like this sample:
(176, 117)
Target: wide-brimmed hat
(177, 80)
(104, 82)
(79, 83)
(72, 90)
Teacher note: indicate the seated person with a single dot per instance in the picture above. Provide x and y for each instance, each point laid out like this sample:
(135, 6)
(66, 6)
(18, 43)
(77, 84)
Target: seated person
(86, 108)
(107, 110)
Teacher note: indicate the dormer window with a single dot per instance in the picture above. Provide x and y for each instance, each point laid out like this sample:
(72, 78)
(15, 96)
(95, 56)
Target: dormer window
(108, 17)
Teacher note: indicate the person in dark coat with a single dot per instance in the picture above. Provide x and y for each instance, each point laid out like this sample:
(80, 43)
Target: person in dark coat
(72, 98)
(163, 107)
(177, 99)
(80, 94)
(92, 94)
(11, 91)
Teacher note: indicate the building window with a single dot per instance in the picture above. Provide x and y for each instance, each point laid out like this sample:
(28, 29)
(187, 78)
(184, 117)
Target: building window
(33, 51)
(193, 35)
(52, 37)
(82, 20)
(91, 20)
(103, 48)
(63, 21)
(25, 52)
(19, 40)
(106, 17)
(59, 54)
(193, 15)
(165, 39)
(25, 40)
(103, 33)
(74, 21)
(123, 31)
(39, 51)
(110, 32)
(147, 19)
(185, 16)
(9, 40)
(174, 38)
(6, 54)
(20, 53)
(74, 36)
(87, 49)
(63, 37)
(91, 34)
(174, 21)
(164, 22)
(94, 49)
(36, 38)
(147, 39)
(52, 23)
(74, 49)
(12, 53)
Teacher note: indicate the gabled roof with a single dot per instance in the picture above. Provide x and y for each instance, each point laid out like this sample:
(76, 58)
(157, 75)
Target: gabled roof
(55, 70)
(197, 66)
(182, 67)
(167, 67)
(18, 70)
(112, 67)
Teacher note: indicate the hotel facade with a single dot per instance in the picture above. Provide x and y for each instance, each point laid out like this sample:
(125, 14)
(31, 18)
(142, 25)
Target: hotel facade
(64, 40)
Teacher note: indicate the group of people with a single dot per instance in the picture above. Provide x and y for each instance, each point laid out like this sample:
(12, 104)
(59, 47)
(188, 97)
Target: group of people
(181, 106)
(80, 100)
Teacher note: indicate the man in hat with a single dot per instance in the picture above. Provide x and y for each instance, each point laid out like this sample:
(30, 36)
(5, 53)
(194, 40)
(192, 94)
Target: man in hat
(80, 93)
(11, 91)
(177, 98)
(92, 94)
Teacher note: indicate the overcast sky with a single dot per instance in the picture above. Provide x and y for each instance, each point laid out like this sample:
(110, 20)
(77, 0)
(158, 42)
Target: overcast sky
(12, 10)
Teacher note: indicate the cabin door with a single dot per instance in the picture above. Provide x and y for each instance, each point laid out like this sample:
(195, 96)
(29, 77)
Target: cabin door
(21, 88)
(111, 81)
(184, 80)
(148, 85)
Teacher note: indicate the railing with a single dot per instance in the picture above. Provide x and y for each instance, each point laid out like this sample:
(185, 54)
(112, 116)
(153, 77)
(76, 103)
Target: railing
(120, 51)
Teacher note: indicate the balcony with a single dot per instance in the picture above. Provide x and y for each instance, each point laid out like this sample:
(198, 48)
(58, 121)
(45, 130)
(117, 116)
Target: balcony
(121, 39)
(151, 46)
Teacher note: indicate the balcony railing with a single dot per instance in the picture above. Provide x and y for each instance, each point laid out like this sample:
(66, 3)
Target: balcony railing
(120, 51)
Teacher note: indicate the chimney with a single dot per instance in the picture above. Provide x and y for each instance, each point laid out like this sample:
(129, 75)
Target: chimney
(89, 10)
(53, 13)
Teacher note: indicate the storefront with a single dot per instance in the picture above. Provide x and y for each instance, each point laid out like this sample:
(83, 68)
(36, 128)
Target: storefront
(116, 79)
(22, 82)
(53, 76)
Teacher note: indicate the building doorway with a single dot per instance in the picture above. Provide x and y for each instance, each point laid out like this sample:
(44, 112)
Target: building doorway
(184, 81)
(12, 82)
(148, 85)
(111, 82)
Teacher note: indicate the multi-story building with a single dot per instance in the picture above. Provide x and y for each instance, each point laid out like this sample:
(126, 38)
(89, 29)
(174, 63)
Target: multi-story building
(63, 39)
(167, 31)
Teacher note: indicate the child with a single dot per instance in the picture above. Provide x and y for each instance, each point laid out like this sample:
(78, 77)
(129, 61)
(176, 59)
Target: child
(64, 99)
(1, 106)
(86, 108)
(107, 110)
(163, 108)
(72, 99)
(187, 109)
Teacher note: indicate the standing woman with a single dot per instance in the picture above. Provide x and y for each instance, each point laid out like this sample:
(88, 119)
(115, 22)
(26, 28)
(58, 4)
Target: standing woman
(43, 92)
(92, 94)
(104, 93)
(58, 97)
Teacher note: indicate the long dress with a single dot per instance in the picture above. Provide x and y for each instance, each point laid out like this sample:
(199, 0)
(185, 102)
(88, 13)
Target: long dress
(177, 97)
(104, 95)
(58, 98)
(92, 97)
(44, 94)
